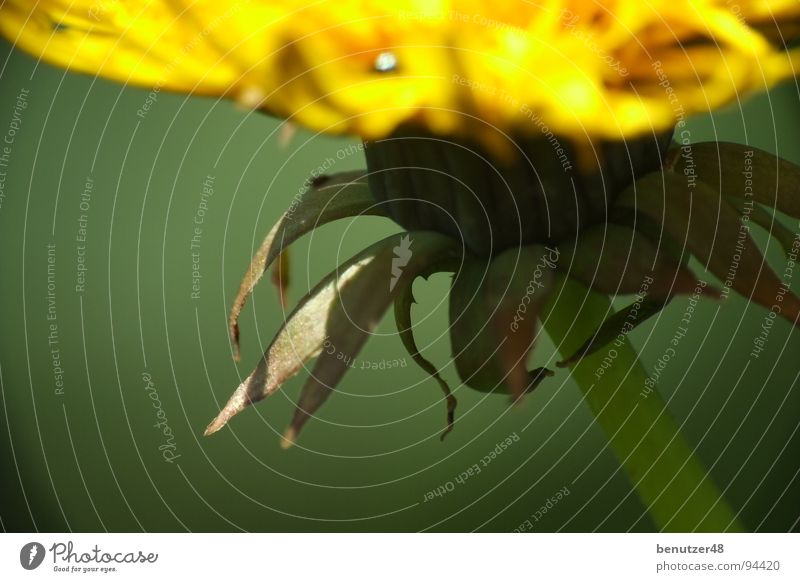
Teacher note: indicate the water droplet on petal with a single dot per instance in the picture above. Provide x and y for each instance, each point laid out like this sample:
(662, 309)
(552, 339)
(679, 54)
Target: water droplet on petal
(386, 62)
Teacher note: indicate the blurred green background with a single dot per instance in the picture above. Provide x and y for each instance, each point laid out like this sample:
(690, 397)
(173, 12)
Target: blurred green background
(89, 458)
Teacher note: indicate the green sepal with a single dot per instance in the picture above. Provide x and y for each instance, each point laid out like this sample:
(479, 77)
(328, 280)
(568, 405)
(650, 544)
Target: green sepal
(494, 308)
(749, 210)
(711, 229)
(726, 167)
(617, 260)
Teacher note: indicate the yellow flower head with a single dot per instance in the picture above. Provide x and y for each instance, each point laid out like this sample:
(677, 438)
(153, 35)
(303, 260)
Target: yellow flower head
(595, 68)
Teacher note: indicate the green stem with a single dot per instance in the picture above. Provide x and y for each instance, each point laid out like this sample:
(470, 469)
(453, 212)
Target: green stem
(672, 483)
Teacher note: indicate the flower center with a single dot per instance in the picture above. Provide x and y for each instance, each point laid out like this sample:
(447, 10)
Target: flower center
(543, 194)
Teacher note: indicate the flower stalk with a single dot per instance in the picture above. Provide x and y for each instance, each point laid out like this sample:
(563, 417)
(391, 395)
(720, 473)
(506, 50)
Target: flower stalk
(673, 484)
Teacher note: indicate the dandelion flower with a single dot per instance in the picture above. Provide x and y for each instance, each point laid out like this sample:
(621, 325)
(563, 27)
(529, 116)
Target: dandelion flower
(452, 67)
(524, 146)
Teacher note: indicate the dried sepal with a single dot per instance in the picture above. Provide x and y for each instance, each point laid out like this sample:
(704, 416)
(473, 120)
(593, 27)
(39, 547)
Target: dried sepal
(358, 308)
(300, 338)
(328, 198)
(281, 278)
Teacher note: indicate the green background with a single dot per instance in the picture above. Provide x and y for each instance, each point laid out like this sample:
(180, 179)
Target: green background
(89, 459)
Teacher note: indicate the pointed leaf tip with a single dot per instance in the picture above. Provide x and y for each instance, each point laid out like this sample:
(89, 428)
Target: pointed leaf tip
(451, 416)
(247, 393)
(289, 438)
(535, 377)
